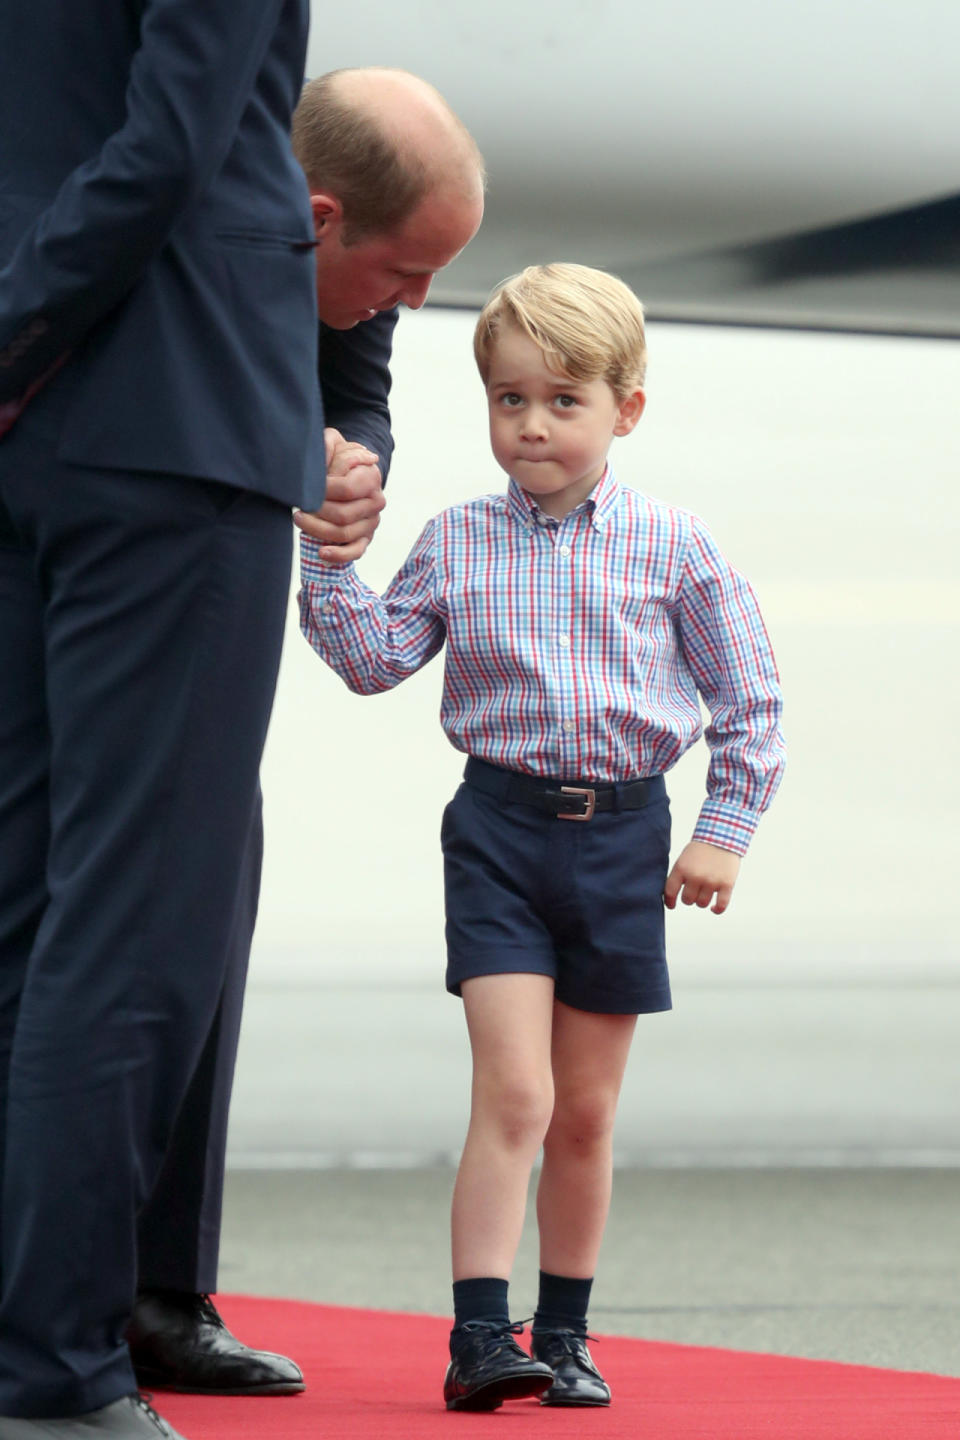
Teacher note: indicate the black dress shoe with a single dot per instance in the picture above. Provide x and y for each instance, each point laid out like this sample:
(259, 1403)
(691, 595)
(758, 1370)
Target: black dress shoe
(576, 1380)
(179, 1342)
(488, 1367)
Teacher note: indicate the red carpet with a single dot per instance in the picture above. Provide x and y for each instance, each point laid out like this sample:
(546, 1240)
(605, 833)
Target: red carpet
(372, 1374)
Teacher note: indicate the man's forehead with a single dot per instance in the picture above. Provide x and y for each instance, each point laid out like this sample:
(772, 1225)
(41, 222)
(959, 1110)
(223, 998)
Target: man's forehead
(436, 232)
(411, 254)
(419, 255)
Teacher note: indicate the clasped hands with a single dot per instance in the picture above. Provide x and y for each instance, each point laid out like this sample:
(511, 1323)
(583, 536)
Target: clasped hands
(345, 523)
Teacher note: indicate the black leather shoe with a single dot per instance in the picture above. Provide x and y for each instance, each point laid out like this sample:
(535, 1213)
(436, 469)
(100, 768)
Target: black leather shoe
(576, 1380)
(488, 1367)
(179, 1342)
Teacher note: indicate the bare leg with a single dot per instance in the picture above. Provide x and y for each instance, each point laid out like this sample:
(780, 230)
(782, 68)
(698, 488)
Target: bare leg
(589, 1058)
(509, 1019)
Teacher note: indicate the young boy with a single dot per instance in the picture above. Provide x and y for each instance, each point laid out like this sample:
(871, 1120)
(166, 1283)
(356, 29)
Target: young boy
(581, 620)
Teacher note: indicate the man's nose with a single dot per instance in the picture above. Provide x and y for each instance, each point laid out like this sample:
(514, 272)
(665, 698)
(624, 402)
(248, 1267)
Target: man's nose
(414, 291)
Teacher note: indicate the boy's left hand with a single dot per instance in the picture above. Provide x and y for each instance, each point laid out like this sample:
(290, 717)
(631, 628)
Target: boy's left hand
(701, 872)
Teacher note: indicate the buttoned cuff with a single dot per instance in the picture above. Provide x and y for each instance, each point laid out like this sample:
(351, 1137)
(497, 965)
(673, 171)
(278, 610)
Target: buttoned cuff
(319, 573)
(728, 826)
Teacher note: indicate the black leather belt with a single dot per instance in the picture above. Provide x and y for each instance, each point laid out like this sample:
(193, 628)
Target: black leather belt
(566, 802)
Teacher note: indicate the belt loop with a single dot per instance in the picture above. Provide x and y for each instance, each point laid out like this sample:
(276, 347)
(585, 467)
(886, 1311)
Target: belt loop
(488, 778)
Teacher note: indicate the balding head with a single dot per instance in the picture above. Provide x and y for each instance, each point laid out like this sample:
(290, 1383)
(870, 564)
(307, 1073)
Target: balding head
(382, 141)
(396, 187)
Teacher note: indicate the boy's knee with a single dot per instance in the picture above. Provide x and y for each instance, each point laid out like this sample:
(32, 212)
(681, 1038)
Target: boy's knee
(520, 1109)
(583, 1121)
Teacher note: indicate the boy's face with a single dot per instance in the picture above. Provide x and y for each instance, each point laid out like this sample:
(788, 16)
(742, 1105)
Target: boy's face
(551, 434)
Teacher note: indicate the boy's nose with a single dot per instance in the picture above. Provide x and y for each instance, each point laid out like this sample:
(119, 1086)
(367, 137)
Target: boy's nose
(534, 425)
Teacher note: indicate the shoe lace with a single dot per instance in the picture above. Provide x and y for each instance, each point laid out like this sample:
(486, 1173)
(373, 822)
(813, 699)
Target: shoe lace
(499, 1332)
(495, 1327)
(568, 1340)
(206, 1310)
(142, 1400)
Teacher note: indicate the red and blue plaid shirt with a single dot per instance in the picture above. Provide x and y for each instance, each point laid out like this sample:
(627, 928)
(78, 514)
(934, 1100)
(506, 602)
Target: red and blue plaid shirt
(575, 648)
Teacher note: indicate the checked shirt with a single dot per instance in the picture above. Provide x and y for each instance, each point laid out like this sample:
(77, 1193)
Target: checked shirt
(577, 649)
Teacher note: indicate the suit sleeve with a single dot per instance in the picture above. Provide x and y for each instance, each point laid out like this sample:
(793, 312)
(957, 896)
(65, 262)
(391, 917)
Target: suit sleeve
(190, 81)
(355, 382)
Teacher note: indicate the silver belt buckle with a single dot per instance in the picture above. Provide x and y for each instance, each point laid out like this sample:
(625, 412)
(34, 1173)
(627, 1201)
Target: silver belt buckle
(589, 795)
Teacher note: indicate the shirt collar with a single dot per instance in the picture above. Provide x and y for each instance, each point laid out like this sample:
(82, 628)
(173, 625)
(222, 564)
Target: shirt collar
(600, 504)
(604, 499)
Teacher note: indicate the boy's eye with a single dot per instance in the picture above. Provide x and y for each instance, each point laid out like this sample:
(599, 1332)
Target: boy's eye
(566, 402)
(511, 399)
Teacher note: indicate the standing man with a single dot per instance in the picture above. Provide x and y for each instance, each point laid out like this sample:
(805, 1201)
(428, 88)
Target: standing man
(160, 415)
(396, 190)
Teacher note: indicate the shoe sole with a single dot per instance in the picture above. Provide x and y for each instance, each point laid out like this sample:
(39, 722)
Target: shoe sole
(147, 1381)
(493, 1394)
(573, 1404)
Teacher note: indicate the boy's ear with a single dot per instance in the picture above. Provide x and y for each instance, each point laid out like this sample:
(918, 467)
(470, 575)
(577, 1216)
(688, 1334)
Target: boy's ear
(327, 214)
(629, 411)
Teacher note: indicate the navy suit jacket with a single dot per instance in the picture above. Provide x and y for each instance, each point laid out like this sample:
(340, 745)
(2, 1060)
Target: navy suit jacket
(355, 383)
(155, 225)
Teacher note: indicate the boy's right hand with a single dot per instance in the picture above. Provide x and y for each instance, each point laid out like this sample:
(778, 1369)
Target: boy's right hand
(345, 523)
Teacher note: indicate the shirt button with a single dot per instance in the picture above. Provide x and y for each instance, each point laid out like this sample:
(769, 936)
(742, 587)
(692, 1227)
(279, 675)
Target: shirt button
(569, 726)
(564, 549)
(326, 610)
(563, 639)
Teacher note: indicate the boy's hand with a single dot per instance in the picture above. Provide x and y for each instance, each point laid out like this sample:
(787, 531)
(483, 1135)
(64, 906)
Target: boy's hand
(350, 514)
(702, 871)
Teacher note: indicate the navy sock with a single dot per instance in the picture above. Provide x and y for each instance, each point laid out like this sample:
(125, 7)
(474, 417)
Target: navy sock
(562, 1304)
(482, 1299)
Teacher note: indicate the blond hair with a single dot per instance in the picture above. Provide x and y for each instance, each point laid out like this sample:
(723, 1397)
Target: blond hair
(588, 324)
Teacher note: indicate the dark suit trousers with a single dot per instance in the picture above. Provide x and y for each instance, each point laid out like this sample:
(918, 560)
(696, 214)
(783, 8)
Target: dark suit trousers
(178, 1232)
(141, 621)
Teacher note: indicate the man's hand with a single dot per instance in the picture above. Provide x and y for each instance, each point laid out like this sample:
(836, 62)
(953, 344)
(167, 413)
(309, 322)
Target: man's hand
(350, 514)
(702, 871)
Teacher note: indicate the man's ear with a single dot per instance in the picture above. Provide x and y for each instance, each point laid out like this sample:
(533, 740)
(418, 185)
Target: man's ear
(327, 214)
(629, 411)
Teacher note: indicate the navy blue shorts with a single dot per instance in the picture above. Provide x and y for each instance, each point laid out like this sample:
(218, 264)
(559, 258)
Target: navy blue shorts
(529, 892)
